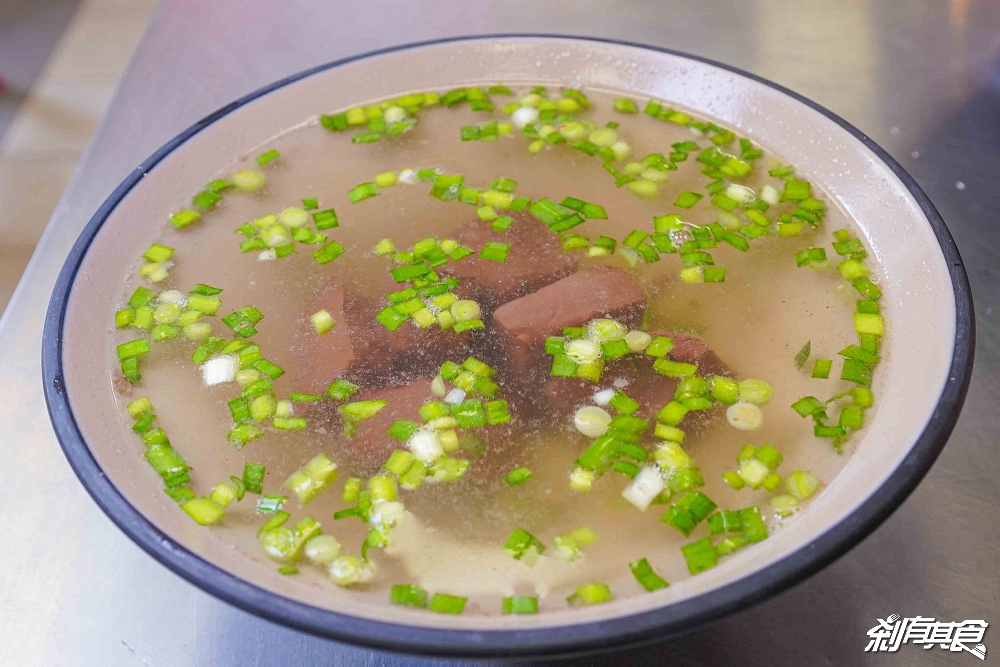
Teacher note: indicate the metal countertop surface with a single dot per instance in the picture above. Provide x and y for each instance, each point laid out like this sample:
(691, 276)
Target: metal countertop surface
(922, 78)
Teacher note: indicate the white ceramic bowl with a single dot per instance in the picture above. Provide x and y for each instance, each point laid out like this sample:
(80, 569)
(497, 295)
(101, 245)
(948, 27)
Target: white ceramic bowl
(923, 381)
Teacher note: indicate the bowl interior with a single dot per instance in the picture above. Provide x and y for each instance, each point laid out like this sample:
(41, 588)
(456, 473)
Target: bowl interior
(919, 302)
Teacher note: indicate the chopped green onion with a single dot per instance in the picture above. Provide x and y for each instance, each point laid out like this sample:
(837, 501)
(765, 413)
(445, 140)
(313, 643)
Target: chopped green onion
(341, 390)
(470, 414)
(524, 547)
(352, 488)
(673, 369)
(179, 493)
(322, 321)
(139, 406)
(408, 595)
(647, 578)
(869, 323)
(277, 519)
(587, 594)
(821, 369)
(253, 477)
(502, 223)
(409, 271)
(802, 356)
(867, 288)
(447, 604)
(700, 555)
(289, 423)
(868, 307)
(133, 348)
(623, 404)
(203, 511)
(384, 247)
(859, 353)
(158, 253)
(690, 510)
(687, 199)
(184, 218)
(496, 411)
(270, 504)
(244, 433)
(328, 253)
(801, 484)
(852, 269)
(753, 525)
(311, 479)
(495, 251)
(144, 422)
(725, 521)
(518, 476)
(402, 429)
(206, 200)
(869, 342)
(520, 604)
(362, 192)
(810, 256)
(391, 318)
(758, 392)
(568, 545)
(796, 190)
(659, 346)
(627, 468)
(267, 368)
(326, 219)
(807, 406)
(164, 459)
(360, 410)
(862, 397)
(852, 417)
(769, 456)
(857, 372)
(672, 413)
(821, 431)
(462, 327)
(267, 157)
(218, 185)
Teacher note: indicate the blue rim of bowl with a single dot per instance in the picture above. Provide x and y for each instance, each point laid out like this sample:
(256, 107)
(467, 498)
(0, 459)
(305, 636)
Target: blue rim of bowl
(601, 635)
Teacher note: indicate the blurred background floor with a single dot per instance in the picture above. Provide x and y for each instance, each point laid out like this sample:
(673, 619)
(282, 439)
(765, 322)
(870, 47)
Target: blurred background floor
(60, 61)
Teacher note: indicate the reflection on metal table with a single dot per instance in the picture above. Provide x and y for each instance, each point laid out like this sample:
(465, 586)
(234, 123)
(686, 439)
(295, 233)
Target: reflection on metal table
(922, 78)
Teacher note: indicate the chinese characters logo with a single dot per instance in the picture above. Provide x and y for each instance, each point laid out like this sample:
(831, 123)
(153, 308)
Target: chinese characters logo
(891, 632)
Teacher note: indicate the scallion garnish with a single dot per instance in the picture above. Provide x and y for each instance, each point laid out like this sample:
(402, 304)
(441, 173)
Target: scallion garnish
(821, 368)
(311, 479)
(518, 476)
(328, 252)
(687, 199)
(524, 547)
(644, 574)
(362, 192)
(802, 356)
(495, 251)
(408, 595)
(587, 594)
(267, 157)
(447, 604)
(325, 219)
(699, 555)
(203, 511)
(360, 410)
(519, 604)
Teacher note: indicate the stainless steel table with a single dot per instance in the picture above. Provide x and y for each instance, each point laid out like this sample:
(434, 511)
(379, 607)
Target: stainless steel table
(921, 77)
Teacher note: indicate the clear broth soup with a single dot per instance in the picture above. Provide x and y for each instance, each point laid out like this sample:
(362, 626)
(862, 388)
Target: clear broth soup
(447, 526)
